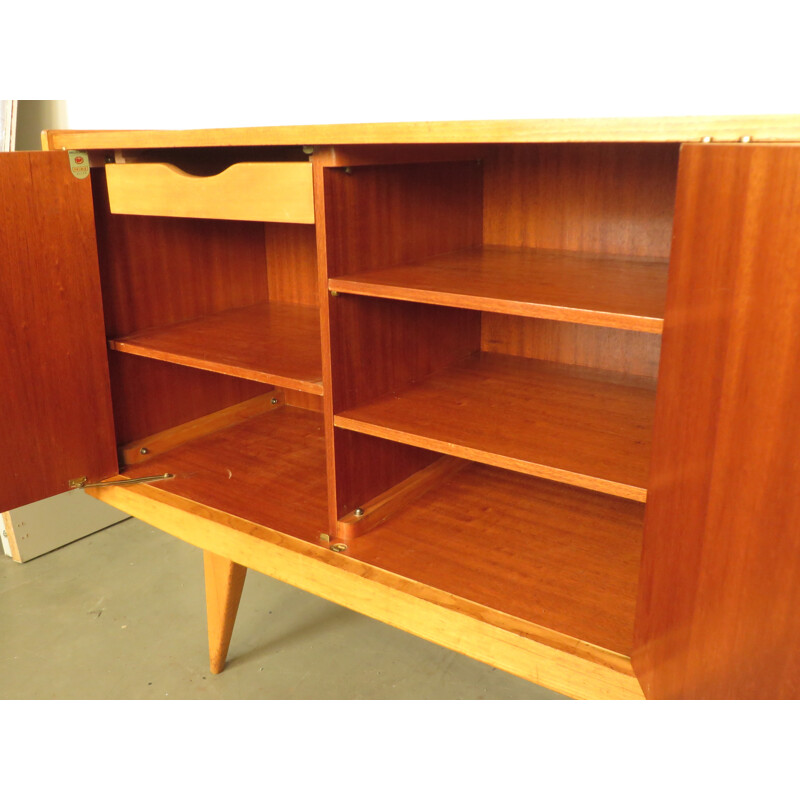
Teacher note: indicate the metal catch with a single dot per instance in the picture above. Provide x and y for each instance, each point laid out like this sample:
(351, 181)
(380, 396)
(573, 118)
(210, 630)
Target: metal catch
(81, 483)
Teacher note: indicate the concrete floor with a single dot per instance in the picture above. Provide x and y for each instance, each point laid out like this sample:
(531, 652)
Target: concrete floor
(121, 614)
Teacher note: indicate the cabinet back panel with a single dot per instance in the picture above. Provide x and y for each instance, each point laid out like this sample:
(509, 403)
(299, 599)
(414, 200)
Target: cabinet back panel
(629, 352)
(150, 396)
(616, 199)
(291, 252)
(384, 216)
(379, 346)
(157, 270)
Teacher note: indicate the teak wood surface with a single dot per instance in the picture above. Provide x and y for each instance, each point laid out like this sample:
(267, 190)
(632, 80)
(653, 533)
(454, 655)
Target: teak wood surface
(163, 441)
(273, 343)
(224, 584)
(531, 575)
(563, 558)
(56, 423)
(139, 387)
(558, 285)
(555, 660)
(785, 127)
(574, 425)
(269, 469)
(265, 192)
(720, 585)
(628, 352)
(610, 199)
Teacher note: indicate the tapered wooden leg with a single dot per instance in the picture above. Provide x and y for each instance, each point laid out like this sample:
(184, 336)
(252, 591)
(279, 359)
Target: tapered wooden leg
(224, 583)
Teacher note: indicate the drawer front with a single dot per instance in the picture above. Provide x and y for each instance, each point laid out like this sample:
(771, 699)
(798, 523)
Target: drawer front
(265, 192)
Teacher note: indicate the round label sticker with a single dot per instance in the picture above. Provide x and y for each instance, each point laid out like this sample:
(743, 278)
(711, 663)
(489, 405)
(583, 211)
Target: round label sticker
(79, 163)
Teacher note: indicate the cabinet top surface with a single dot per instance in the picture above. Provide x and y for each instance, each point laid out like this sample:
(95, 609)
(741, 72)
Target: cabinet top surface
(639, 129)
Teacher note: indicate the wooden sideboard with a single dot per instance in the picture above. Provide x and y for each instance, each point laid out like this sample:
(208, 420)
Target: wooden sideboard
(526, 389)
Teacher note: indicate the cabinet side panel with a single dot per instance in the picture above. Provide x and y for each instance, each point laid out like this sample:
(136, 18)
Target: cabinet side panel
(720, 582)
(56, 421)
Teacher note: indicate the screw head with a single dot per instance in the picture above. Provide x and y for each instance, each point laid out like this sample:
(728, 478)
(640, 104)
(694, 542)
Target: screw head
(274, 401)
(359, 512)
(706, 139)
(338, 547)
(744, 139)
(144, 451)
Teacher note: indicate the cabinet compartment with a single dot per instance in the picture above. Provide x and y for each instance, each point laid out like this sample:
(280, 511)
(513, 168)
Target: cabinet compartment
(235, 298)
(269, 469)
(274, 343)
(565, 559)
(577, 425)
(266, 192)
(214, 340)
(623, 293)
(507, 311)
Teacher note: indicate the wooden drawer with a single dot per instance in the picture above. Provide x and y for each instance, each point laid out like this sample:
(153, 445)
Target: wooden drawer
(266, 192)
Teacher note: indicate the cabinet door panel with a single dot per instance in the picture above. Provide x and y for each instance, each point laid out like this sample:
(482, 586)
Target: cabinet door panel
(55, 421)
(720, 582)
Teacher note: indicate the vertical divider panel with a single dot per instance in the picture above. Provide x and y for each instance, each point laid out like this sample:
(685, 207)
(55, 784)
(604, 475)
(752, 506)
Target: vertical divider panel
(373, 216)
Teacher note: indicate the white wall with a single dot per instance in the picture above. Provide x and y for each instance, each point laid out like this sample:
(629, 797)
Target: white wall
(352, 62)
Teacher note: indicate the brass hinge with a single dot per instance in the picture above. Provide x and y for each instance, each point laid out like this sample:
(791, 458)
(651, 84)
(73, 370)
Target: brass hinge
(80, 483)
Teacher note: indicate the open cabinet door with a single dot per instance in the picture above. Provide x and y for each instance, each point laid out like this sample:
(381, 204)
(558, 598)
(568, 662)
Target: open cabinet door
(56, 423)
(720, 583)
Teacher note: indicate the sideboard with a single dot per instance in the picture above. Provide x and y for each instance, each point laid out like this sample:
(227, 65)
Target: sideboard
(526, 389)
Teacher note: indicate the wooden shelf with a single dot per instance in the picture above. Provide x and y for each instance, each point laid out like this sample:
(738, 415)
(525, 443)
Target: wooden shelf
(274, 343)
(610, 291)
(269, 469)
(563, 558)
(581, 426)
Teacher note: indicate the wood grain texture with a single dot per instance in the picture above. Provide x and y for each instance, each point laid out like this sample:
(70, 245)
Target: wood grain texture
(291, 252)
(720, 589)
(158, 443)
(574, 425)
(629, 352)
(311, 402)
(385, 216)
(552, 659)
(151, 396)
(56, 422)
(564, 558)
(378, 509)
(615, 199)
(157, 271)
(547, 284)
(280, 192)
(380, 346)
(778, 127)
(274, 343)
(387, 464)
(224, 583)
(269, 469)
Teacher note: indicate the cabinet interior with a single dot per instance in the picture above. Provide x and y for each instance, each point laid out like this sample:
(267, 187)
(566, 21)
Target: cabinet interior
(489, 335)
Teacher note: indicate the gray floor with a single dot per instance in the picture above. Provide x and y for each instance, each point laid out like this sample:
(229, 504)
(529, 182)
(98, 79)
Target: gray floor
(121, 614)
